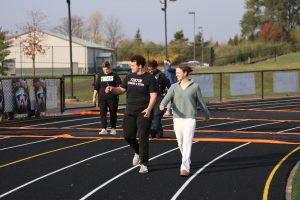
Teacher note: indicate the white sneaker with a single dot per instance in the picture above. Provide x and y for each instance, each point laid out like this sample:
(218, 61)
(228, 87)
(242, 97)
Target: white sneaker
(103, 132)
(143, 169)
(136, 160)
(113, 131)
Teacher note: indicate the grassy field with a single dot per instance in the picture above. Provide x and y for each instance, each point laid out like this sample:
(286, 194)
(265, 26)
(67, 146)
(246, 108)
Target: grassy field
(284, 62)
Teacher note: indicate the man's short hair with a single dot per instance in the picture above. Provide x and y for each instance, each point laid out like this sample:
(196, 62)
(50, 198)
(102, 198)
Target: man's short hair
(153, 64)
(140, 60)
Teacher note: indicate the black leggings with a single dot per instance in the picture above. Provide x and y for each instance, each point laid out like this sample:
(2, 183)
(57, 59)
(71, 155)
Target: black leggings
(112, 105)
(135, 124)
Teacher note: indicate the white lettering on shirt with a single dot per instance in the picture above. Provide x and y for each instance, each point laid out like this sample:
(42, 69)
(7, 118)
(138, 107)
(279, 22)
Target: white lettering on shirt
(107, 78)
(136, 81)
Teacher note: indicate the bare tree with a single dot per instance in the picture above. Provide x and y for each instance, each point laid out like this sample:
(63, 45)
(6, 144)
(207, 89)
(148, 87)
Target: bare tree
(32, 43)
(77, 27)
(94, 27)
(113, 31)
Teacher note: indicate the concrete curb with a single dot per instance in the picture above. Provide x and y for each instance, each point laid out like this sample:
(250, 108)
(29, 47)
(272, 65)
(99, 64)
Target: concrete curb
(289, 185)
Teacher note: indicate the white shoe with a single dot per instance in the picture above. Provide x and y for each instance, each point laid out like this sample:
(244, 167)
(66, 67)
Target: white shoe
(143, 169)
(113, 131)
(168, 113)
(103, 132)
(136, 160)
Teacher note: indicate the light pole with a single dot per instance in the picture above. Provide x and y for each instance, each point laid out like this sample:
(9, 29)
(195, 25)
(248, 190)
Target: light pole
(70, 45)
(202, 43)
(166, 37)
(193, 13)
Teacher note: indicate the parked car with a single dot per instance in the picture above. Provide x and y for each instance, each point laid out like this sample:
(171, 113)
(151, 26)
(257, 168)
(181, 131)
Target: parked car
(122, 69)
(195, 63)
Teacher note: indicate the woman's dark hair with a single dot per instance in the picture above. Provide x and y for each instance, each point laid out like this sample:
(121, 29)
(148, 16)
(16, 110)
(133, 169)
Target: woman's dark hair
(106, 64)
(153, 64)
(140, 60)
(185, 68)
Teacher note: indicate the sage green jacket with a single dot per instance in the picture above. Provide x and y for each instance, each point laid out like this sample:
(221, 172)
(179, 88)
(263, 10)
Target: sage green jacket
(185, 101)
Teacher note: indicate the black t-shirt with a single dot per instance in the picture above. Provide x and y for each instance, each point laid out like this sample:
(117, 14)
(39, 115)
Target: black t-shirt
(104, 80)
(138, 89)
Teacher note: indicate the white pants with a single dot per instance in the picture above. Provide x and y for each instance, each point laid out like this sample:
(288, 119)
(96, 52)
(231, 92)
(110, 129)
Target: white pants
(184, 131)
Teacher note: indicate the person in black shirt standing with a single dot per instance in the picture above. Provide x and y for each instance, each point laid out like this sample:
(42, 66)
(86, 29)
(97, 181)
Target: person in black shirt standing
(163, 84)
(111, 101)
(141, 88)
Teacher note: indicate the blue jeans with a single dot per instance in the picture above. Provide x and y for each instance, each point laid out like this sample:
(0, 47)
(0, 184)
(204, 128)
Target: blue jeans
(156, 122)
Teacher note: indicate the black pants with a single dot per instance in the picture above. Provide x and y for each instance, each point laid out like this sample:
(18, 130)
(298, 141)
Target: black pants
(135, 124)
(112, 105)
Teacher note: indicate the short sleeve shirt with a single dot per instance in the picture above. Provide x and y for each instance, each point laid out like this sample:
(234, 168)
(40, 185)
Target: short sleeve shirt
(139, 88)
(104, 80)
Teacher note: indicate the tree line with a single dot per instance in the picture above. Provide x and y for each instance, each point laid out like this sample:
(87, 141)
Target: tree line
(266, 23)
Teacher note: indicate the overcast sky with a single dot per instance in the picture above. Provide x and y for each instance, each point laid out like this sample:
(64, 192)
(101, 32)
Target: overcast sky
(220, 19)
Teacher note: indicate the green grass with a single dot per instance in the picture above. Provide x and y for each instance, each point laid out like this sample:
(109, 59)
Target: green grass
(284, 62)
(296, 186)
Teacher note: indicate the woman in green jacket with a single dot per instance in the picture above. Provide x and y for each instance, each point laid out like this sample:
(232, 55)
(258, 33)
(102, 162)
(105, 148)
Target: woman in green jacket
(186, 95)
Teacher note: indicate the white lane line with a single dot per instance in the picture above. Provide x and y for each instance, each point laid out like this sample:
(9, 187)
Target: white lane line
(25, 144)
(285, 106)
(62, 121)
(175, 196)
(289, 129)
(97, 122)
(222, 124)
(262, 104)
(81, 125)
(257, 126)
(4, 138)
(121, 174)
(59, 170)
(253, 103)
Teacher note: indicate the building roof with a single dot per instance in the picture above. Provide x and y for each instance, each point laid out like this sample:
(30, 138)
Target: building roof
(76, 40)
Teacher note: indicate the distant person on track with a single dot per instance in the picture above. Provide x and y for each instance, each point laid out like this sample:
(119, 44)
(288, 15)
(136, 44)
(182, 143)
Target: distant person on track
(186, 95)
(170, 74)
(105, 100)
(141, 88)
(163, 84)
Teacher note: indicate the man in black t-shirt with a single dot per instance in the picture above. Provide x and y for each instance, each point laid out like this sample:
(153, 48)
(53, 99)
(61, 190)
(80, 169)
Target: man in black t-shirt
(141, 88)
(107, 78)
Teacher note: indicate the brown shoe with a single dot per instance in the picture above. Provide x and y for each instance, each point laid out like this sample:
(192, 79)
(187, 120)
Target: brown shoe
(184, 173)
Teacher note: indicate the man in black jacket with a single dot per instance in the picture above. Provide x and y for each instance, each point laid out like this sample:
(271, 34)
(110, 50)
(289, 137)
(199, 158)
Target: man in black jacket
(163, 85)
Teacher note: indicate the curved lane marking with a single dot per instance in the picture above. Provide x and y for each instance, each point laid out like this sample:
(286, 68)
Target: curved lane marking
(268, 183)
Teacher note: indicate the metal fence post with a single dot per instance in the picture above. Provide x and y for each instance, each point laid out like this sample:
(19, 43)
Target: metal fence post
(262, 85)
(62, 94)
(221, 88)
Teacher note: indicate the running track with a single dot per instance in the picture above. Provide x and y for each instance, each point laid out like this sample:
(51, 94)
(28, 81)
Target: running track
(245, 152)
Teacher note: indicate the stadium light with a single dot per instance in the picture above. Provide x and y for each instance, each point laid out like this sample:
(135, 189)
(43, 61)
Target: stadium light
(166, 37)
(193, 13)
